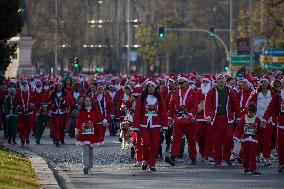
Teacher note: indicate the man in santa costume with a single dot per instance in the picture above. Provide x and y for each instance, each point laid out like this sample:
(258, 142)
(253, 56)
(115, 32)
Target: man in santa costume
(59, 101)
(203, 128)
(25, 100)
(182, 111)
(276, 109)
(115, 101)
(221, 104)
(166, 93)
(76, 92)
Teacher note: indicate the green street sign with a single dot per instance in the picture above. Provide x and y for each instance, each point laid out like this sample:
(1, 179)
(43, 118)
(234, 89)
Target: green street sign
(242, 59)
(274, 66)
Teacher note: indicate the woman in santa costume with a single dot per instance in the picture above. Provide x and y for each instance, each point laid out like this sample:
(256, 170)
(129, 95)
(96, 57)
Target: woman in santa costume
(276, 109)
(103, 103)
(25, 101)
(221, 104)
(59, 102)
(203, 128)
(182, 112)
(244, 94)
(262, 97)
(150, 116)
(86, 133)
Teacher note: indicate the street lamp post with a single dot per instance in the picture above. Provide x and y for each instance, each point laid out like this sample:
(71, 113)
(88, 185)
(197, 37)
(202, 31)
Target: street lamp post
(56, 38)
(128, 37)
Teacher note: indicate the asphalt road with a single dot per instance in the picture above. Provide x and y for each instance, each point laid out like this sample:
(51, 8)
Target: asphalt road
(113, 168)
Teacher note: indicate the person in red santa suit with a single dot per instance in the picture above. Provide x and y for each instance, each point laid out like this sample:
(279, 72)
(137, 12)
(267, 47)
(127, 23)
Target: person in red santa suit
(276, 109)
(86, 133)
(103, 102)
(59, 102)
(166, 93)
(45, 90)
(244, 94)
(182, 111)
(25, 100)
(68, 84)
(247, 132)
(136, 150)
(221, 104)
(76, 92)
(150, 116)
(203, 128)
(262, 97)
(114, 97)
(84, 84)
(125, 101)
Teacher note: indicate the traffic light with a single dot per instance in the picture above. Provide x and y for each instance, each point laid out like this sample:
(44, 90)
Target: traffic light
(98, 69)
(161, 32)
(76, 63)
(226, 66)
(212, 31)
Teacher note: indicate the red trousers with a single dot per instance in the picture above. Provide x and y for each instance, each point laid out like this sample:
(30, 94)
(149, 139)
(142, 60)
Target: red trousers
(265, 142)
(58, 126)
(190, 132)
(204, 139)
(100, 129)
(222, 138)
(138, 147)
(280, 145)
(249, 154)
(150, 143)
(26, 124)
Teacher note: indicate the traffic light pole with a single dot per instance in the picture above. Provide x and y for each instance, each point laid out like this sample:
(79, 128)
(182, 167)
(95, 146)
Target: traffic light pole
(202, 30)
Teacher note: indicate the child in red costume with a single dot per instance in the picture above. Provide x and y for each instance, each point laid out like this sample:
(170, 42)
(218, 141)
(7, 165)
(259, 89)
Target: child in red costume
(248, 133)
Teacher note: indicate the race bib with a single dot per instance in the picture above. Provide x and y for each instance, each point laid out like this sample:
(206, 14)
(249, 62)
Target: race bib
(88, 128)
(151, 112)
(250, 129)
(181, 111)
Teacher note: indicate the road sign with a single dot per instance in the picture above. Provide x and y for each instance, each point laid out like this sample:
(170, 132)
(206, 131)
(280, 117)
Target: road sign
(274, 66)
(241, 59)
(272, 59)
(243, 45)
(273, 52)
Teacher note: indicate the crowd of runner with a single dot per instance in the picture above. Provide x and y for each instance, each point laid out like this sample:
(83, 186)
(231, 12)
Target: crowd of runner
(209, 110)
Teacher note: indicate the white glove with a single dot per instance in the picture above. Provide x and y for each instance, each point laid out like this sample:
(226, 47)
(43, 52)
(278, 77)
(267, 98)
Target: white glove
(236, 139)
(208, 119)
(105, 123)
(263, 123)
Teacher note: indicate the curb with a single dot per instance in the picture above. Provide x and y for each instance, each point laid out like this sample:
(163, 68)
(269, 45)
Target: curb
(44, 173)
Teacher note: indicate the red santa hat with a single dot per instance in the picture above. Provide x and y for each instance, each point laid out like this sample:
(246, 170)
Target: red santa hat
(182, 77)
(279, 75)
(151, 82)
(263, 79)
(137, 91)
(192, 80)
(220, 75)
(206, 78)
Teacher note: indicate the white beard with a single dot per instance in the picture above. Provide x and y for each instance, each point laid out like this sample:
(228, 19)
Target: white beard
(24, 89)
(117, 87)
(205, 88)
(76, 95)
(112, 94)
(33, 85)
(38, 89)
(99, 97)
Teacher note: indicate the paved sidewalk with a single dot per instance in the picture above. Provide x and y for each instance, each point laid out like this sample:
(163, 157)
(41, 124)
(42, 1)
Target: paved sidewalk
(43, 172)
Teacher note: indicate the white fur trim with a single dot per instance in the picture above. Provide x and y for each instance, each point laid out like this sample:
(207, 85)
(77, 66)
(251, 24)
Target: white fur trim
(152, 83)
(183, 78)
